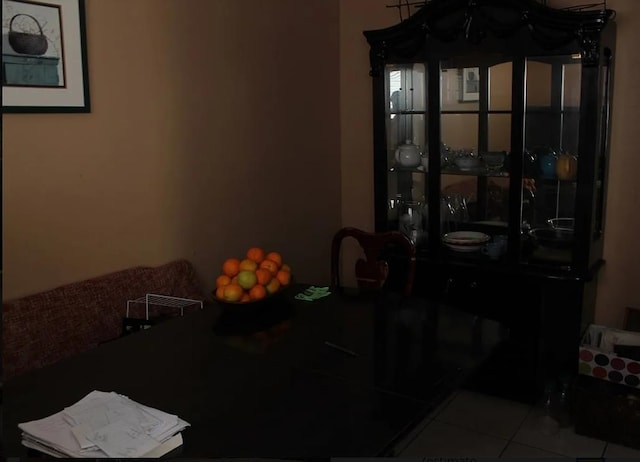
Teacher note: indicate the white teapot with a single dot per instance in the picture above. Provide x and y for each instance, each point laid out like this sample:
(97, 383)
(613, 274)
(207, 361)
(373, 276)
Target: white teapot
(408, 155)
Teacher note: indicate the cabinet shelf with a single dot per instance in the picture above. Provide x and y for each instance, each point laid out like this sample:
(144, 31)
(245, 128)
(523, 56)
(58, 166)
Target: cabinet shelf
(406, 112)
(480, 171)
(399, 168)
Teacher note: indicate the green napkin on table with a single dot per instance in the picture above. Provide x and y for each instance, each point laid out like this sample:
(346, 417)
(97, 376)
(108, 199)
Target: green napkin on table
(313, 293)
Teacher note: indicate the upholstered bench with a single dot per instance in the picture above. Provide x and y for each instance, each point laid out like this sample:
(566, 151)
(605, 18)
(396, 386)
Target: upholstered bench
(41, 329)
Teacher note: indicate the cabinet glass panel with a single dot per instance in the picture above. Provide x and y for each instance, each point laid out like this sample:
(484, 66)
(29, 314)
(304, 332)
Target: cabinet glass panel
(460, 133)
(458, 200)
(538, 78)
(500, 77)
(493, 202)
(406, 87)
(406, 135)
(571, 79)
(459, 88)
(550, 161)
(499, 132)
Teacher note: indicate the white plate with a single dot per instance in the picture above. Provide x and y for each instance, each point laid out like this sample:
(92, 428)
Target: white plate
(465, 238)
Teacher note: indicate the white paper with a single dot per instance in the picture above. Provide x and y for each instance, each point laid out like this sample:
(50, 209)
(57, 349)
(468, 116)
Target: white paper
(123, 439)
(80, 433)
(105, 425)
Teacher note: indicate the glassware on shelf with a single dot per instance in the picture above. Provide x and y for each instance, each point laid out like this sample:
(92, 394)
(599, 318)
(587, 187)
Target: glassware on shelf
(494, 160)
(411, 219)
(453, 210)
(445, 156)
(466, 159)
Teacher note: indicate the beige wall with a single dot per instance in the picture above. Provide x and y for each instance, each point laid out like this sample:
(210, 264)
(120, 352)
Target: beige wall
(214, 127)
(225, 124)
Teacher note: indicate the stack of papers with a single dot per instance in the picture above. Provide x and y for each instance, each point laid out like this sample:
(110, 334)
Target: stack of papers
(105, 425)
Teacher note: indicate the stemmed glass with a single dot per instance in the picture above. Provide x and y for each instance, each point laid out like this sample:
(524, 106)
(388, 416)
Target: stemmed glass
(453, 210)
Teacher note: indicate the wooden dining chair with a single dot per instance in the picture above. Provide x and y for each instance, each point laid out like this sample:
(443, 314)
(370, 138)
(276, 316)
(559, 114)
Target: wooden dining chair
(372, 271)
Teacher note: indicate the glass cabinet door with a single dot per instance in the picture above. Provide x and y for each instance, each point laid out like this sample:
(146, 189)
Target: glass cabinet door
(475, 134)
(406, 128)
(550, 165)
(476, 155)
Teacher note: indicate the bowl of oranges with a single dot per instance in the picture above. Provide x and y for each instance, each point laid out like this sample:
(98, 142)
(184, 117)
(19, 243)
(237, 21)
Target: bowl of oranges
(257, 276)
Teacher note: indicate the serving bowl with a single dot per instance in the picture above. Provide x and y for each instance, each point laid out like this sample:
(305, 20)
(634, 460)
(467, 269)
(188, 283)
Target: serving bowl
(465, 241)
(494, 160)
(467, 162)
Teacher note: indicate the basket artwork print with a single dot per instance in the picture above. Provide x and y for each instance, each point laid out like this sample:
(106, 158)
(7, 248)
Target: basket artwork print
(44, 56)
(35, 55)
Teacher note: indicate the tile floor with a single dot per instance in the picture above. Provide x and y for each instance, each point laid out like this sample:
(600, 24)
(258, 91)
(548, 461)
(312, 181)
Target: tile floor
(469, 424)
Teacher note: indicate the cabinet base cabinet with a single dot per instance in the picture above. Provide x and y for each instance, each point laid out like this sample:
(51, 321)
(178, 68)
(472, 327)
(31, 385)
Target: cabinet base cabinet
(543, 321)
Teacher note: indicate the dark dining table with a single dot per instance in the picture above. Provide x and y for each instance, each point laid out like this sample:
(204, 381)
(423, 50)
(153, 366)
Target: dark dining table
(345, 375)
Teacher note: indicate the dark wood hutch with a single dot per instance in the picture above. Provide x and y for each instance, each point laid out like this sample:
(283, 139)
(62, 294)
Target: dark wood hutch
(491, 138)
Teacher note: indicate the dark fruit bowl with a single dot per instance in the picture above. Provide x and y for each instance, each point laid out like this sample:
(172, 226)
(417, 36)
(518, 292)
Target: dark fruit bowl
(248, 318)
(239, 318)
(253, 303)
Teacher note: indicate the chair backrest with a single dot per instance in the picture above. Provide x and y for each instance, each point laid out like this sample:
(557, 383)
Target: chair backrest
(372, 272)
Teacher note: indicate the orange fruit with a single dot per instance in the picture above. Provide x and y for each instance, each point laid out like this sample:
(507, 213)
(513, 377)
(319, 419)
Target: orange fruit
(255, 254)
(231, 267)
(220, 292)
(257, 292)
(222, 280)
(273, 286)
(234, 280)
(274, 256)
(284, 277)
(247, 264)
(285, 267)
(232, 292)
(245, 298)
(269, 265)
(247, 279)
(264, 276)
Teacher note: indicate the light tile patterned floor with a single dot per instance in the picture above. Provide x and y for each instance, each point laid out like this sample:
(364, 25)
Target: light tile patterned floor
(469, 424)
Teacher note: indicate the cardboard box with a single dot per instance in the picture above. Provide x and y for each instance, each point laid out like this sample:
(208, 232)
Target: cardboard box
(597, 358)
(607, 411)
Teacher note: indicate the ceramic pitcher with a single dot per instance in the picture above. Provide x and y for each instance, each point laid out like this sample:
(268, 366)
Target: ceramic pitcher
(408, 155)
(567, 167)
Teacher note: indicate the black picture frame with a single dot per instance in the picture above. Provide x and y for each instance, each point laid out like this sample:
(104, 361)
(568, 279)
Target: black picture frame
(51, 81)
(469, 78)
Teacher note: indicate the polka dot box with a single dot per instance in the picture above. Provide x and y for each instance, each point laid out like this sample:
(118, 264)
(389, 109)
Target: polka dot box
(606, 366)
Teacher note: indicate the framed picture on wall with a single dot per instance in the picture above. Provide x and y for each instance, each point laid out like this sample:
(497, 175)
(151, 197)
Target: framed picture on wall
(469, 84)
(44, 56)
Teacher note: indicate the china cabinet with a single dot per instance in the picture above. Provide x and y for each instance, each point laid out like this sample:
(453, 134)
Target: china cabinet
(491, 137)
